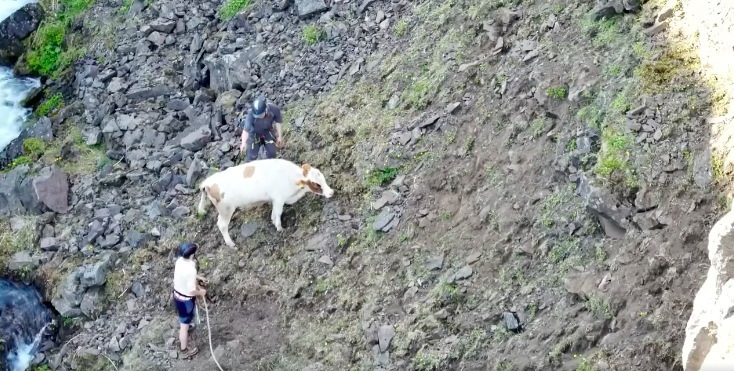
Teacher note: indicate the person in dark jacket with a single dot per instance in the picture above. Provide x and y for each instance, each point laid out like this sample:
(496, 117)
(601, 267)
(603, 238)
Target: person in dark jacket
(257, 129)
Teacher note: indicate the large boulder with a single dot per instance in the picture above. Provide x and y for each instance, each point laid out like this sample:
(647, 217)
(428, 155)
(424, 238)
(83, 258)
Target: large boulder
(52, 189)
(710, 329)
(15, 196)
(231, 71)
(40, 129)
(17, 27)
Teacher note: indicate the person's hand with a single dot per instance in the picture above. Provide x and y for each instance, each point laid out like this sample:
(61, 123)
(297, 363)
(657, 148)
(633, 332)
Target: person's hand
(203, 280)
(202, 292)
(279, 142)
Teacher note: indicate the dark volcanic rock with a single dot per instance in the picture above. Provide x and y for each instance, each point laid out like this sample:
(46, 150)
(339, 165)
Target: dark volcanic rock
(16, 28)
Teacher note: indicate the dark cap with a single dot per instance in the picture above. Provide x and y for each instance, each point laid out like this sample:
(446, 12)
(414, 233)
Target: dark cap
(187, 249)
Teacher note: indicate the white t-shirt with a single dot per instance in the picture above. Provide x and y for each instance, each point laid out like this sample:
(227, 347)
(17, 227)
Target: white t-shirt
(184, 276)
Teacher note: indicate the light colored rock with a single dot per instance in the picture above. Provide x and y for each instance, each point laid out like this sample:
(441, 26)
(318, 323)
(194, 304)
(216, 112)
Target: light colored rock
(710, 328)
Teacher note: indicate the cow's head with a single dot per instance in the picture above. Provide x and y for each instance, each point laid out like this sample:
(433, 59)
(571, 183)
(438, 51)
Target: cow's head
(314, 181)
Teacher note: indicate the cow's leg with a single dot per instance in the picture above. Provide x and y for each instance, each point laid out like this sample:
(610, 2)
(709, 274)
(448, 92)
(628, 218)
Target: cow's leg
(202, 203)
(275, 215)
(225, 215)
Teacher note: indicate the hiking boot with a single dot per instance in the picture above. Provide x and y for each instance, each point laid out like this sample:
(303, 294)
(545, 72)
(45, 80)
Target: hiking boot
(189, 352)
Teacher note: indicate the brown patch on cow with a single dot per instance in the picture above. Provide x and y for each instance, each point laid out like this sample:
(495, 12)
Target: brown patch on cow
(313, 186)
(306, 168)
(249, 170)
(214, 192)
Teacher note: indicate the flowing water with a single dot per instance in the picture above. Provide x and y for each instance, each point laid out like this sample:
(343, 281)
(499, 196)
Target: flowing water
(12, 90)
(23, 316)
(23, 321)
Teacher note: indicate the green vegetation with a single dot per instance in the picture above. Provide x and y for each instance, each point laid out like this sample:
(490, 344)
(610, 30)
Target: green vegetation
(34, 147)
(232, 7)
(13, 241)
(557, 92)
(401, 28)
(48, 53)
(312, 34)
(382, 176)
(126, 4)
(538, 126)
(50, 105)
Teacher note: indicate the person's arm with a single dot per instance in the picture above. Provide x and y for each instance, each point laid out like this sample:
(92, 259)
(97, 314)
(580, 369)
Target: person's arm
(194, 289)
(278, 120)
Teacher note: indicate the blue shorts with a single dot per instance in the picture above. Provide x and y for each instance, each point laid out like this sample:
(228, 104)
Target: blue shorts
(185, 309)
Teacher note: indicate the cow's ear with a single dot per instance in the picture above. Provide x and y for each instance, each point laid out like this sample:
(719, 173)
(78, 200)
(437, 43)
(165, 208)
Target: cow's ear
(306, 168)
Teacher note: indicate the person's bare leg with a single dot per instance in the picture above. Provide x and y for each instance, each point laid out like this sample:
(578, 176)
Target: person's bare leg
(183, 336)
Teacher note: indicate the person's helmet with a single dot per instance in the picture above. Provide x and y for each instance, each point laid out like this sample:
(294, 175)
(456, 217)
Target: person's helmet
(187, 249)
(259, 106)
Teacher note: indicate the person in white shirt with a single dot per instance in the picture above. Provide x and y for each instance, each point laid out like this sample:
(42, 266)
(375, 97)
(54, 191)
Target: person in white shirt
(185, 291)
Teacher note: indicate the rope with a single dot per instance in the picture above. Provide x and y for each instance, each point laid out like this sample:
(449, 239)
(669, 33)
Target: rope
(209, 329)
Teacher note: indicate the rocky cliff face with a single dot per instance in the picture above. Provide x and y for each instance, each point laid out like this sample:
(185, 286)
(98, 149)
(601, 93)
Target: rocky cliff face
(16, 28)
(511, 176)
(710, 330)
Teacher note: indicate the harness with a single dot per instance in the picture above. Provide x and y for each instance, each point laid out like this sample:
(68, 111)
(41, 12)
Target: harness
(261, 140)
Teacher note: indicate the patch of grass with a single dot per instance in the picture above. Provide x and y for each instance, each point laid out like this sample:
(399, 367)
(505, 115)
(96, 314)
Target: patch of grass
(612, 70)
(382, 176)
(312, 34)
(469, 144)
(607, 31)
(598, 307)
(504, 366)
(47, 54)
(621, 103)
(117, 283)
(557, 92)
(591, 115)
(564, 248)
(50, 105)
(613, 165)
(18, 161)
(717, 167)
(664, 73)
(34, 147)
(445, 293)
(425, 361)
(401, 28)
(232, 7)
(538, 126)
(126, 4)
(550, 207)
(11, 242)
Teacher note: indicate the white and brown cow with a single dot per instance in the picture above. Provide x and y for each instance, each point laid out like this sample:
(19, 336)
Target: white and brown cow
(255, 183)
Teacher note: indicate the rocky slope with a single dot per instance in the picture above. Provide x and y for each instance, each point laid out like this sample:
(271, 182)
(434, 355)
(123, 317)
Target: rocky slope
(520, 185)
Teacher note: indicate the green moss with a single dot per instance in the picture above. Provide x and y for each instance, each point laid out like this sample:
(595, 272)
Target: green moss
(382, 176)
(401, 28)
(34, 147)
(312, 34)
(50, 105)
(232, 7)
(557, 92)
(47, 54)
